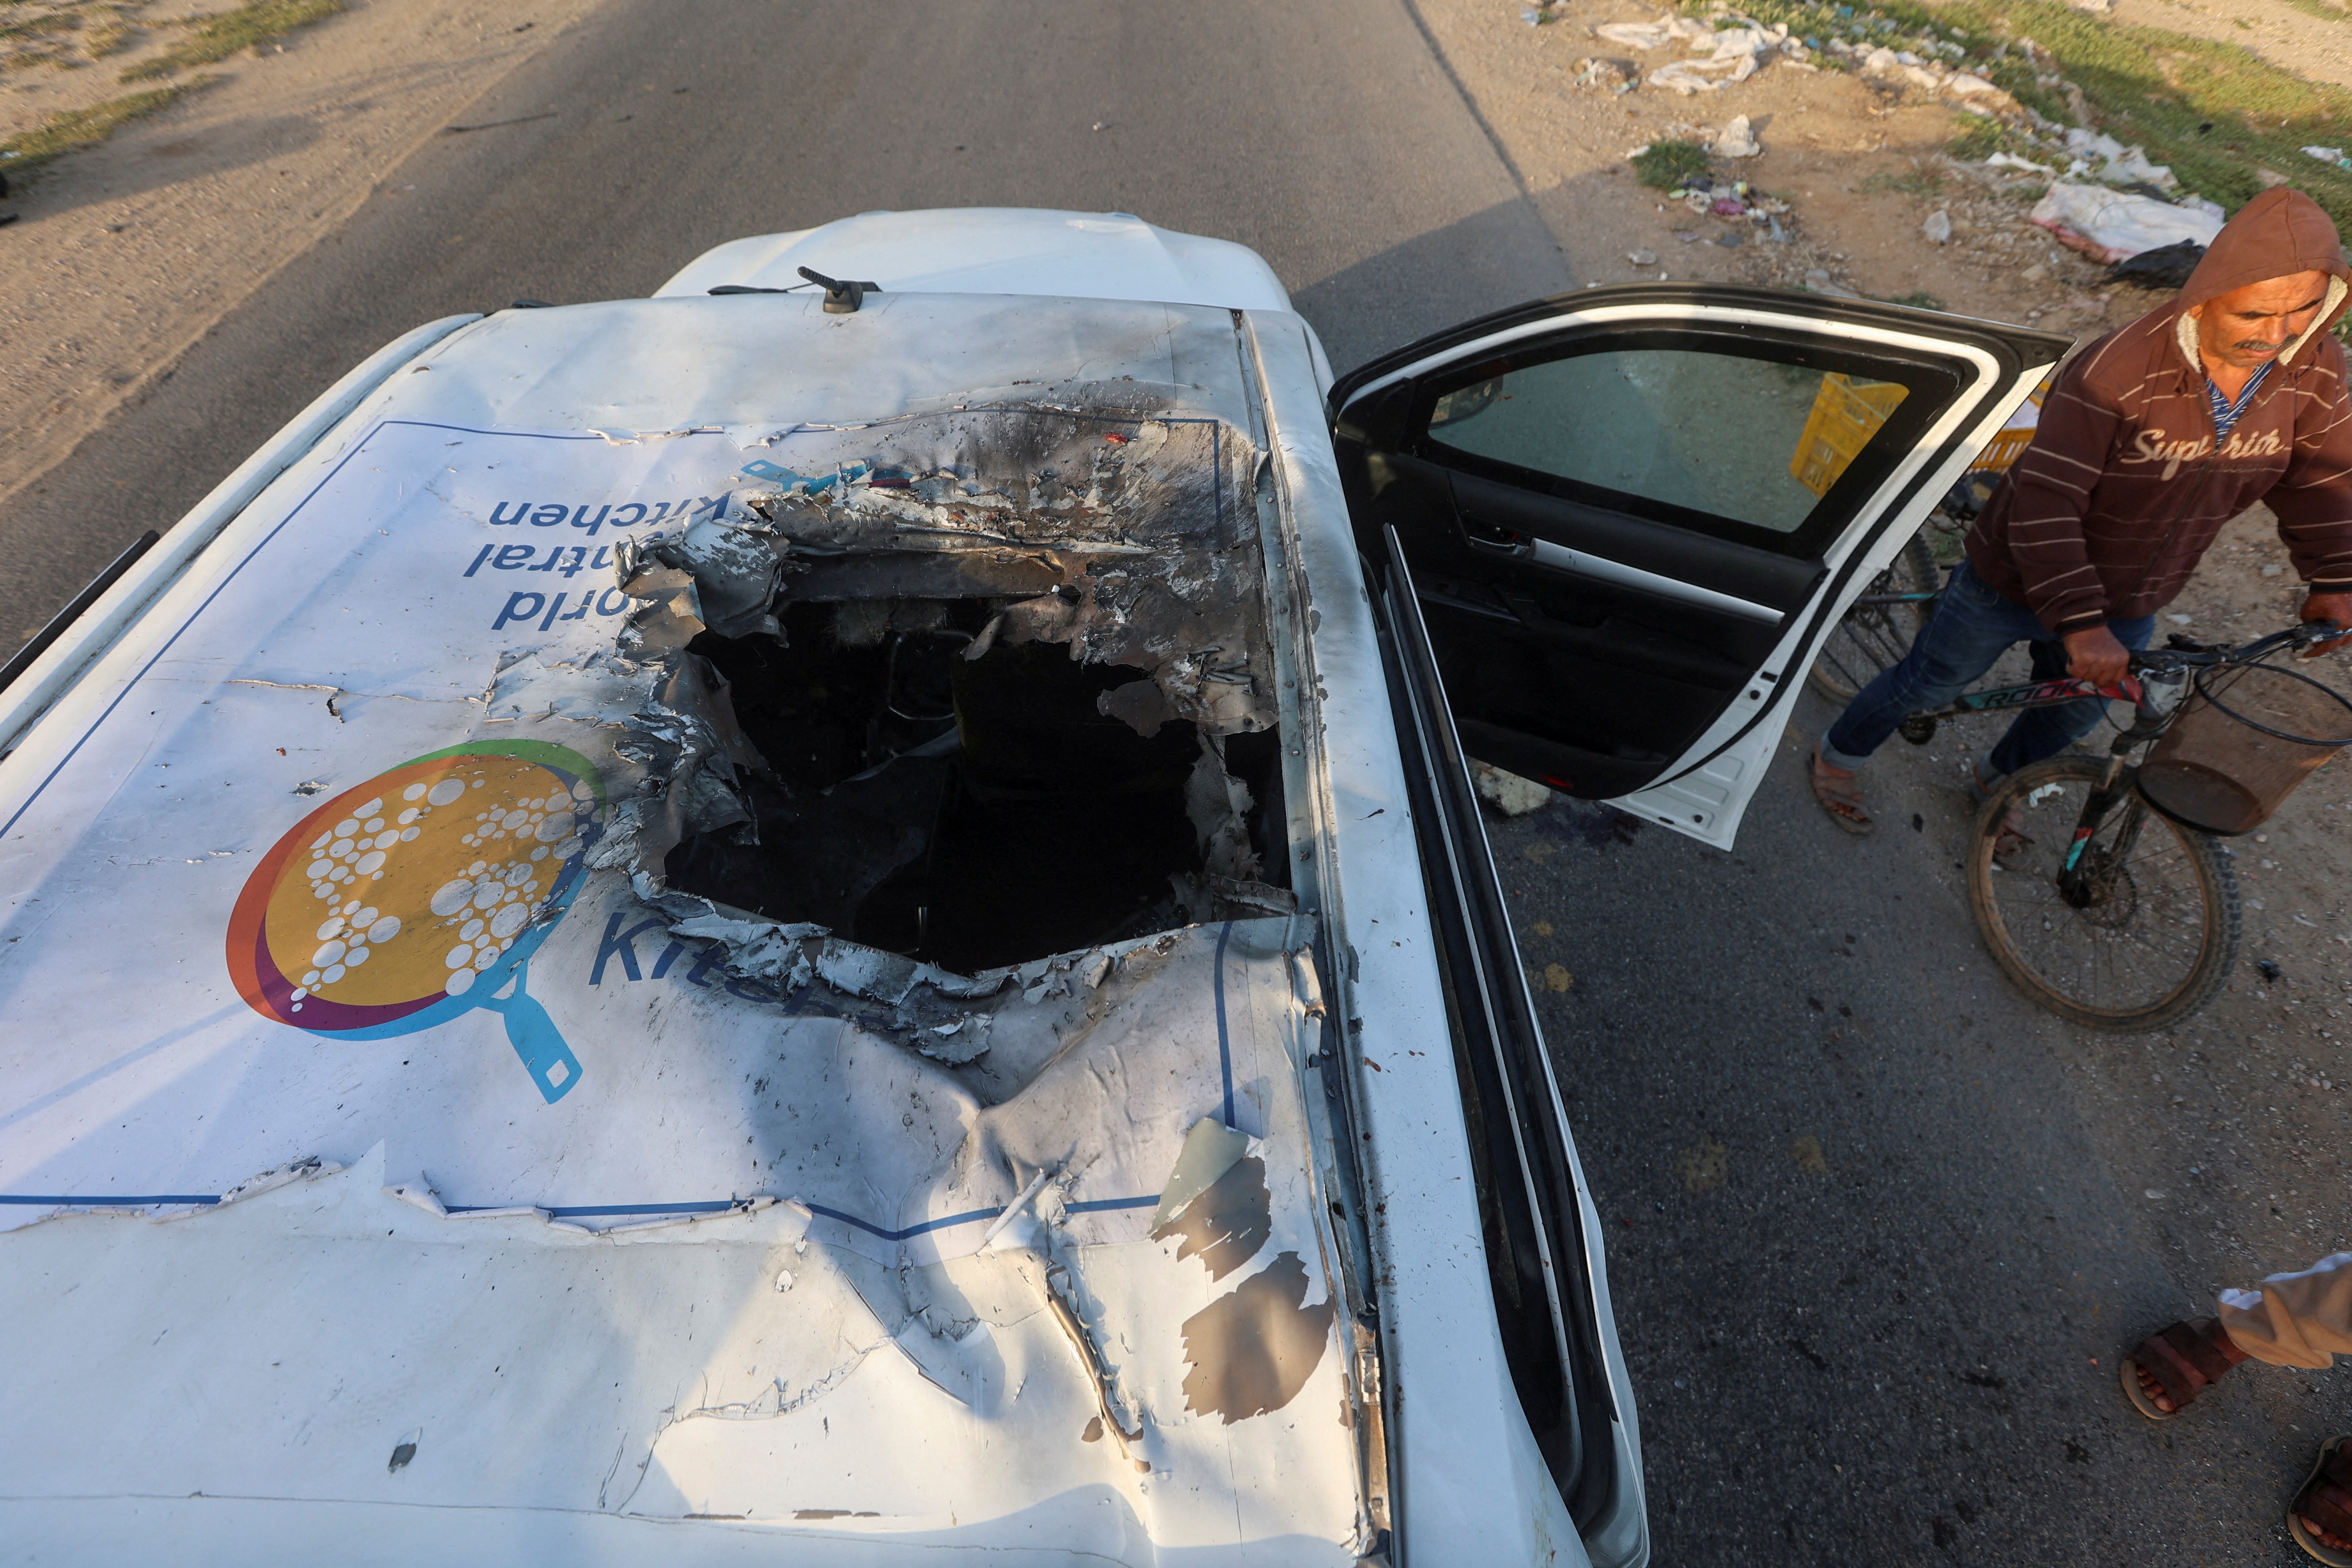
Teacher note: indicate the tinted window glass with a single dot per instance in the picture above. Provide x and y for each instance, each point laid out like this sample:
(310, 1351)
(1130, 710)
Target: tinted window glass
(1767, 443)
(1754, 440)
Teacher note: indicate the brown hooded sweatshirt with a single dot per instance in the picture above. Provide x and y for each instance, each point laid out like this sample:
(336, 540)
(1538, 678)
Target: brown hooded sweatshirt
(2109, 510)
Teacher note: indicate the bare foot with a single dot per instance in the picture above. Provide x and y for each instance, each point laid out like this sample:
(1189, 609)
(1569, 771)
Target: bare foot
(2154, 1390)
(2333, 1542)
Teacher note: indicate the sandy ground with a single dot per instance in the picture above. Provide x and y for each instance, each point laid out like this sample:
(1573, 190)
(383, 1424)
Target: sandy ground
(2318, 46)
(125, 254)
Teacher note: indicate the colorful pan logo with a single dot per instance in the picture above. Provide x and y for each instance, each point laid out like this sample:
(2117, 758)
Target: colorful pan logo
(420, 895)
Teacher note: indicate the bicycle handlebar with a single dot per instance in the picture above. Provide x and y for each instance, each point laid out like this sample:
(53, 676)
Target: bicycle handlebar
(2180, 652)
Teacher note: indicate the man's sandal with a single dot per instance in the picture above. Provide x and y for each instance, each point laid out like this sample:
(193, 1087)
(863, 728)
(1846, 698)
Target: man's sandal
(1841, 798)
(2320, 1517)
(2184, 1360)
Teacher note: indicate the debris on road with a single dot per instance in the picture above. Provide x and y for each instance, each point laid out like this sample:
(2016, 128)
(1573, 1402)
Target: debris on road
(1508, 793)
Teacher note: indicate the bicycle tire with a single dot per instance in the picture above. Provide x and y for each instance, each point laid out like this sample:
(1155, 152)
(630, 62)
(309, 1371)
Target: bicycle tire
(2207, 868)
(1868, 639)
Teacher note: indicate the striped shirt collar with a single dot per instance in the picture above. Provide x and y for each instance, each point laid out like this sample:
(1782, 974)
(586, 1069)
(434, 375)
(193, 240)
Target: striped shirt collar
(2226, 412)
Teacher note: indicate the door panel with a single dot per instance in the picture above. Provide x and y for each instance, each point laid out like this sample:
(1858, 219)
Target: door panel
(1540, 1260)
(1630, 512)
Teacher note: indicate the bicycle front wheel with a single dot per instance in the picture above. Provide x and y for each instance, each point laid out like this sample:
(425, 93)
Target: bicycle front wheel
(2143, 935)
(1870, 638)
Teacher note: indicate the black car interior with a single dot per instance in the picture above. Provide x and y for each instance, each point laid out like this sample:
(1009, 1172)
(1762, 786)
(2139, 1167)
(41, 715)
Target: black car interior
(1593, 613)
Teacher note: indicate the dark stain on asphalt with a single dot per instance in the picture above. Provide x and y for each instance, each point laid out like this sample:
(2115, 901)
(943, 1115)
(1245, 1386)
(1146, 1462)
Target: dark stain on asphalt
(1587, 822)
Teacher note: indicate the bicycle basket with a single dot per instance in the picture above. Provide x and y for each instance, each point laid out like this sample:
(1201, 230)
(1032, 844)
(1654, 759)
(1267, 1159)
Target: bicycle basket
(2247, 735)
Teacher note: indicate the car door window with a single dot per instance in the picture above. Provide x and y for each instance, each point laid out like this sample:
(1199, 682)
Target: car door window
(1755, 440)
(1743, 440)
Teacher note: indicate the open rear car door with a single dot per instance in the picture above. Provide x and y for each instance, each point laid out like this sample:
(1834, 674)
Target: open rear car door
(1631, 514)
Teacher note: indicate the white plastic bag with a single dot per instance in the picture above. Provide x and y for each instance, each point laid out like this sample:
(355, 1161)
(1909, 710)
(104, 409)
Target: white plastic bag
(2109, 226)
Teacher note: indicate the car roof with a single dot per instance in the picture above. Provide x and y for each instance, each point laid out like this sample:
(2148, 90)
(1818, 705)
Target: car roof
(998, 250)
(823, 1318)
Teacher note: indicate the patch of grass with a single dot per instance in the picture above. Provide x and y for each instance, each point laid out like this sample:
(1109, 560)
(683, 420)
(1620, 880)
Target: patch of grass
(2216, 112)
(1976, 140)
(2323, 9)
(87, 127)
(107, 38)
(217, 37)
(1913, 183)
(34, 26)
(1663, 165)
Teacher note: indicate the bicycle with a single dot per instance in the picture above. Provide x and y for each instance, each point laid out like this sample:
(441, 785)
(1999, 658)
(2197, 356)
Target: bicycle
(2126, 917)
(1877, 628)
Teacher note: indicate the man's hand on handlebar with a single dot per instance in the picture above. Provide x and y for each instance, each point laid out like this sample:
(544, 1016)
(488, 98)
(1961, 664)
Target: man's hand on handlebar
(2093, 655)
(2332, 608)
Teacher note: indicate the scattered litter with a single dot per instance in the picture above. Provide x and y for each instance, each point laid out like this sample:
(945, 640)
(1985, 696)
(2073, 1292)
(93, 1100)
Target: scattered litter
(2180, 620)
(1651, 35)
(2268, 967)
(2335, 155)
(2167, 267)
(2111, 225)
(1820, 282)
(1739, 53)
(2011, 161)
(1508, 793)
(1736, 140)
(1642, 258)
(2109, 161)
(1597, 74)
(1938, 230)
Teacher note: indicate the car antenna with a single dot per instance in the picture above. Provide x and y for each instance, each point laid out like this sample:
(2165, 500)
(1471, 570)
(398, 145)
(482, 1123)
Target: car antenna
(840, 298)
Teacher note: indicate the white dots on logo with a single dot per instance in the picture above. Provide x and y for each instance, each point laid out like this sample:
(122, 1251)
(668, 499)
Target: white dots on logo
(495, 901)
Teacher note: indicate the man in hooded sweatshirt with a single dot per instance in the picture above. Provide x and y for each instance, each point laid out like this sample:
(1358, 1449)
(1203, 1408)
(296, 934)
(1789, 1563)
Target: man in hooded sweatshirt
(2154, 436)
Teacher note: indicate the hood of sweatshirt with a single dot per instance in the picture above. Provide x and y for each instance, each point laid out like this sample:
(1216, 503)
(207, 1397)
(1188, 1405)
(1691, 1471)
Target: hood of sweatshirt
(2280, 232)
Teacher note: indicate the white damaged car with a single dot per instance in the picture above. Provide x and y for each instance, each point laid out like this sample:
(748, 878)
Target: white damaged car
(846, 924)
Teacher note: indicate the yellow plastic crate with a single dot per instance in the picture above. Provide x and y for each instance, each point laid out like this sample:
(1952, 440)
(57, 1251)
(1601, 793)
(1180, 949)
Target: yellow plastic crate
(2009, 443)
(1847, 414)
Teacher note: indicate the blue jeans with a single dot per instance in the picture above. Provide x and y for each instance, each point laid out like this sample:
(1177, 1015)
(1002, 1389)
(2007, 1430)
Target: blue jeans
(1971, 627)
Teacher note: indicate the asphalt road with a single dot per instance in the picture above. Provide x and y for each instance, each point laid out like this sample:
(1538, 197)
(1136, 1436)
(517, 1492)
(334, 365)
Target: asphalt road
(1321, 132)
(1874, 1347)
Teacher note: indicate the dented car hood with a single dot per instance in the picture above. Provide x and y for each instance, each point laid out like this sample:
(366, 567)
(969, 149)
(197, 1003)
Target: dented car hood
(382, 1125)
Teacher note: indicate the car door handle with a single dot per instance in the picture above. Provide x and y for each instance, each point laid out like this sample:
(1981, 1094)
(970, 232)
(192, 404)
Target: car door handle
(1584, 564)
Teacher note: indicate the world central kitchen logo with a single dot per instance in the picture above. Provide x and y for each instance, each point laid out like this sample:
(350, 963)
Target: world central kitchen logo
(421, 895)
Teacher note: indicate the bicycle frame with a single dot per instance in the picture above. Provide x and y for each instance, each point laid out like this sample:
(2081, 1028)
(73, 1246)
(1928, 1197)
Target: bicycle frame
(2155, 694)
